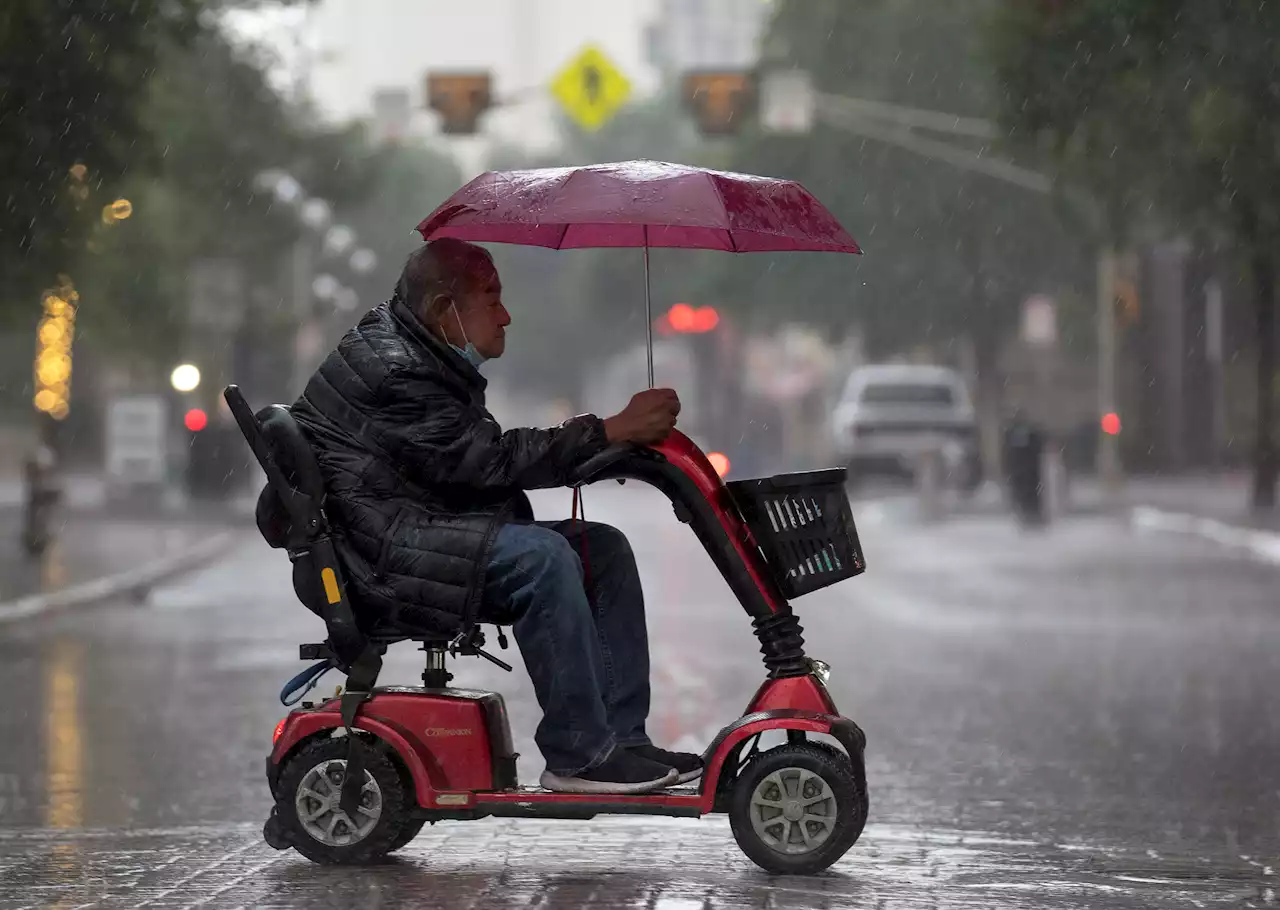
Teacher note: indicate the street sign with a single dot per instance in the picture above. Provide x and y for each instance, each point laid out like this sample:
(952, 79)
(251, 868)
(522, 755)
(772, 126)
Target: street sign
(459, 99)
(1039, 321)
(391, 113)
(718, 100)
(591, 89)
(136, 441)
(786, 102)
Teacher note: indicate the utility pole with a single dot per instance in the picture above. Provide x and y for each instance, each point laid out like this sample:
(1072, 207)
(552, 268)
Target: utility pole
(1213, 344)
(1108, 442)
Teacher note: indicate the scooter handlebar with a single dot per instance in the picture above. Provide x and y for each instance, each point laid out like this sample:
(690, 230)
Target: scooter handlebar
(586, 472)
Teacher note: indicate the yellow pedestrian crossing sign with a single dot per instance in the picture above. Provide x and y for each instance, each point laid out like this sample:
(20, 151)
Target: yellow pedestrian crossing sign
(591, 89)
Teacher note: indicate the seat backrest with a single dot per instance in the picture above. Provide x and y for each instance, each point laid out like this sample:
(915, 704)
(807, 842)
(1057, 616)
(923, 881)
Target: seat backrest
(280, 525)
(290, 514)
(291, 451)
(289, 508)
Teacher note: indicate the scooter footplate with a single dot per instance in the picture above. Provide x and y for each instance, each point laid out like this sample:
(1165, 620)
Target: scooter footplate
(604, 797)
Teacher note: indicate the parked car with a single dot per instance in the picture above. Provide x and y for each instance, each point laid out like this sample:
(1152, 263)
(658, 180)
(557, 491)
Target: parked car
(889, 415)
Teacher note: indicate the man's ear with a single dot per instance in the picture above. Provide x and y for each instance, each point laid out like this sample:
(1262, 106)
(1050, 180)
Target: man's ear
(435, 309)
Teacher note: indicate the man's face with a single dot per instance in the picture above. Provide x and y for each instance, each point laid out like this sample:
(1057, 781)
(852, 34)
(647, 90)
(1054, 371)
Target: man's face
(483, 317)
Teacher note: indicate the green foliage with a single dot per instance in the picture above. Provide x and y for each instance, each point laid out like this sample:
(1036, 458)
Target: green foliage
(1168, 107)
(406, 183)
(213, 124)
(72, 75)
(948, 252)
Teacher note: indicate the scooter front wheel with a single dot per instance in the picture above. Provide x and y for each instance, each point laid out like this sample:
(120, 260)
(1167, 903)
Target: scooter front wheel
(311, 820)
(797, 809)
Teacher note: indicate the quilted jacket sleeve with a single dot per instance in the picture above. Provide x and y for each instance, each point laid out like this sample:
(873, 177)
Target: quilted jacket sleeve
(441, 439)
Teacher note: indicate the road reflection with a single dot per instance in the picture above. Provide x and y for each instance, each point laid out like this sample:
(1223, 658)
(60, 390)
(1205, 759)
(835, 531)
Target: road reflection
(64, 756)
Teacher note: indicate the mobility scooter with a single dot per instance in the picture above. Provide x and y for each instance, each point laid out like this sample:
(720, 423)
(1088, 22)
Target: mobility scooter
(357, 776)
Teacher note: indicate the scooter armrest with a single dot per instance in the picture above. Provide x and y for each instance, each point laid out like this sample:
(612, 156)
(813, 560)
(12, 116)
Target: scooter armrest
(592, 469)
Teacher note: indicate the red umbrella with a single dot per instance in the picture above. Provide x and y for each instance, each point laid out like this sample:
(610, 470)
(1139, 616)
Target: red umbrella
(639, 204)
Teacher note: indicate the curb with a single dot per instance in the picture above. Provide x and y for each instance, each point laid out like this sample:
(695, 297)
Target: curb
(1264, 545)
(110, 586)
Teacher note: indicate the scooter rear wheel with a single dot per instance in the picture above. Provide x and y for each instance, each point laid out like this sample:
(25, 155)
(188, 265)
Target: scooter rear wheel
(797, 809)
(307, 805)
(410, 830)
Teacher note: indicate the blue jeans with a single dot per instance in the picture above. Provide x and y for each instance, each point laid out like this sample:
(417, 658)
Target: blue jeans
(582, 635)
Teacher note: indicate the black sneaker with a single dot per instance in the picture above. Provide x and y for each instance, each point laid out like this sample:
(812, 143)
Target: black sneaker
(622, 772)
(687, 765)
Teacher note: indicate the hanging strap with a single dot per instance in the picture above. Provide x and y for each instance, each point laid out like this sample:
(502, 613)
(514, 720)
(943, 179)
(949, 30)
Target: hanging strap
(579, 502)
(305, 681)
(360, 683)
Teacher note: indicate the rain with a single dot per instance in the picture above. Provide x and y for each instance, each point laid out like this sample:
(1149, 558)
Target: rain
(958, 558)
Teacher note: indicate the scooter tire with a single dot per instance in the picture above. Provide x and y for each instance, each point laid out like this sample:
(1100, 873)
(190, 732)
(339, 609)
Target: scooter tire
(377, 842)
(770, 851)
(407, 833)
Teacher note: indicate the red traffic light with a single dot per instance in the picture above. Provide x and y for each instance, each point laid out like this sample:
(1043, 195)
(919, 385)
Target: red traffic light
(1111, 424)
(687, 320)
(196, 420)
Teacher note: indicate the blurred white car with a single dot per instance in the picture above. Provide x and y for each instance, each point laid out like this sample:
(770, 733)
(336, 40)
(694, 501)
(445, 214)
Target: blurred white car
(889, 415)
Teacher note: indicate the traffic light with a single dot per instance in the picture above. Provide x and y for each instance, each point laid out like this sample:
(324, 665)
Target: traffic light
(683, 319)
(195, 420)
(54, 336)
(719, 100)
(459, 99)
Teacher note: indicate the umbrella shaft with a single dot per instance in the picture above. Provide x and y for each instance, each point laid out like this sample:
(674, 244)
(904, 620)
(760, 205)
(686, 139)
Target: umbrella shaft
(648, 313)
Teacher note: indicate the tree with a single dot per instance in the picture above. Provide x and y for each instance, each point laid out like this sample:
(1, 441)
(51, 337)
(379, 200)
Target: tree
(217, 124)
(1172, 105)
(190, 121)
(950, 254)
(73, 77)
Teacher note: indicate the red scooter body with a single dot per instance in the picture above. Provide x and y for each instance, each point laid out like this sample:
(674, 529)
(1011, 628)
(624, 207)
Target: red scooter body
(456, 744)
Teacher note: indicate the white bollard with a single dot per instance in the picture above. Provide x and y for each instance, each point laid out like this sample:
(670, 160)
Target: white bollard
(1053, 483)
(929, 483)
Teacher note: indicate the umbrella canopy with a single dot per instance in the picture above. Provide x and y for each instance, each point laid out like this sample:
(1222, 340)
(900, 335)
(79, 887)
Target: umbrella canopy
(638, 204)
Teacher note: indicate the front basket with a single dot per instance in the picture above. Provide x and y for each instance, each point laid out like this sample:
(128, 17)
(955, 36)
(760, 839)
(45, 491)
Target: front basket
(804, 526)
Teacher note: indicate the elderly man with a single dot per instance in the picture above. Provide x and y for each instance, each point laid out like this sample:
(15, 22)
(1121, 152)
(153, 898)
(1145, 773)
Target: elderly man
(428, 492)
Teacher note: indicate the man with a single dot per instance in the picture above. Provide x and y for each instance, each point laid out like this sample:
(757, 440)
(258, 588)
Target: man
(438, 533)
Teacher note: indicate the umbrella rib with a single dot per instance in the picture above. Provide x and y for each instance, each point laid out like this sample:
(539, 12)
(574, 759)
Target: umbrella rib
(728, 225)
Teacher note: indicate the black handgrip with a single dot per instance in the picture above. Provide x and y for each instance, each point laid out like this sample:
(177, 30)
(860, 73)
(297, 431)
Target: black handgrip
(586, 471)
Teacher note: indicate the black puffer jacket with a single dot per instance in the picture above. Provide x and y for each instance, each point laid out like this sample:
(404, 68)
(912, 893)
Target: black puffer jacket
(419, 476)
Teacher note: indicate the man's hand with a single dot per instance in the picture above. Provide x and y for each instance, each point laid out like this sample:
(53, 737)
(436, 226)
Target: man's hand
(648, 419)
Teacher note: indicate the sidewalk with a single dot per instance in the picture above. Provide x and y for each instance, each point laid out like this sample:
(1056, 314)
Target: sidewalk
(1220, 497)
(1215, 501)
(80, 491)
(102, 551)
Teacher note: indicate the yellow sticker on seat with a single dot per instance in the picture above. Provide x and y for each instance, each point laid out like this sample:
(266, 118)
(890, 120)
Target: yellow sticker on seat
(330, 579)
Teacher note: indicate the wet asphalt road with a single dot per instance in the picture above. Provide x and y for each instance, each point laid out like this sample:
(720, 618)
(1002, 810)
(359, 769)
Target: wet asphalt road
(1079, 718)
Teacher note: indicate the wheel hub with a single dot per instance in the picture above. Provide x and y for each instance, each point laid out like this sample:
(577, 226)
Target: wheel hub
(793, 811)
(317, 804)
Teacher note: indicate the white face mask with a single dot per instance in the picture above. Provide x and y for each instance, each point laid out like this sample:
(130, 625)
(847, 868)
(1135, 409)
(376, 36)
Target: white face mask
(469, 352)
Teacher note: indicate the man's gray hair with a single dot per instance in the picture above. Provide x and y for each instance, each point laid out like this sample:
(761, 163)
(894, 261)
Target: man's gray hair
(444, 266)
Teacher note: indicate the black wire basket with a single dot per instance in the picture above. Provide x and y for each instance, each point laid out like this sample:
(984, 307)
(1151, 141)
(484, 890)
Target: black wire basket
(804, 526)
